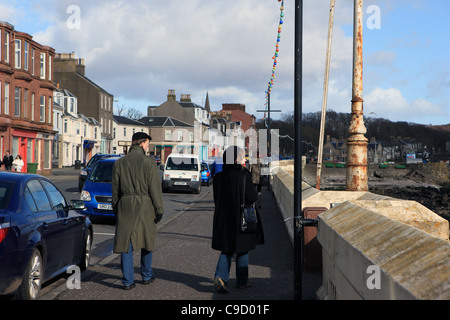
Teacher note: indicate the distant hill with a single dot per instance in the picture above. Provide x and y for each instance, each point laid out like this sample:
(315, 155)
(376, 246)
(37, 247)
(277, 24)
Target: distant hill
(445, 128)
(337, 124)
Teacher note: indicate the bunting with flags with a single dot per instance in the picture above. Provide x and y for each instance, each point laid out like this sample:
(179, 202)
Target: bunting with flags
(274, 58)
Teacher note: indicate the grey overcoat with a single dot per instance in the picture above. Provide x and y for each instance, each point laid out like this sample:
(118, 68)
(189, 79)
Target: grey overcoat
(137, 198)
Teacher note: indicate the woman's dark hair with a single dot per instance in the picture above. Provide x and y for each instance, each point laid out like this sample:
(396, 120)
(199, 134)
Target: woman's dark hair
(231, 154)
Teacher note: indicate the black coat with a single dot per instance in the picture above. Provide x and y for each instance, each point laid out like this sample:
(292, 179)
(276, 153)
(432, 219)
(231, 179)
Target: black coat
(7, 161)
(227, 187)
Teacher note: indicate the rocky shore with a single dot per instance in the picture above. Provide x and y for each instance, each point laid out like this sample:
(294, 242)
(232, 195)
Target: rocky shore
(428, 185)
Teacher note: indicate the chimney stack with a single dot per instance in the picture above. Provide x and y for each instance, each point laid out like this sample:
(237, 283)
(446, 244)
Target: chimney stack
(185, 98)
(171, 95)
(80, 66)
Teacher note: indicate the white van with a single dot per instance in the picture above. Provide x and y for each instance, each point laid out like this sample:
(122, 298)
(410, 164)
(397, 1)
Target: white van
(182, 172)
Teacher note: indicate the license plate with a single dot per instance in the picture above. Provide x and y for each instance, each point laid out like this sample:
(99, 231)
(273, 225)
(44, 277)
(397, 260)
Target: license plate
(180, 183)
(104, 206)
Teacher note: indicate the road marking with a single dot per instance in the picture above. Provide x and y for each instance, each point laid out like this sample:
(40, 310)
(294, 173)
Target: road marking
(104, 234)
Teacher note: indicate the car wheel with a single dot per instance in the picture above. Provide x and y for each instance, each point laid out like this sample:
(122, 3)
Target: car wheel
(86, 256)
(32, 278)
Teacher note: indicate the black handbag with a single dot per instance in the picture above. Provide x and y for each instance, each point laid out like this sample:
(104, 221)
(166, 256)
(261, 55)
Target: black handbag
(249, 220)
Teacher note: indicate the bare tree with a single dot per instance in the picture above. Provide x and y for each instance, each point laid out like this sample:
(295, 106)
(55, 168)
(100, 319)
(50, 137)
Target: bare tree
(120, 110)
(133, 113)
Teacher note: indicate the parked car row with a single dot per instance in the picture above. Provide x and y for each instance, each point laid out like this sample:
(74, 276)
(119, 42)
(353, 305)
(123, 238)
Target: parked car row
(41, 234)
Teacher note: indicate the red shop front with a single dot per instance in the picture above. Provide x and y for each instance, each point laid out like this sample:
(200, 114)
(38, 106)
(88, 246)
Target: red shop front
(24, 144)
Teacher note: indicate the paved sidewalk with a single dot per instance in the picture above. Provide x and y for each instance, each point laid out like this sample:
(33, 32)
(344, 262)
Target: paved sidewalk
(66, 173)
(184, 263)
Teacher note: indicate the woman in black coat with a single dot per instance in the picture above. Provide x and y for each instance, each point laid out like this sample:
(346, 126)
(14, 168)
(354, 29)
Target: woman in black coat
(228, 188)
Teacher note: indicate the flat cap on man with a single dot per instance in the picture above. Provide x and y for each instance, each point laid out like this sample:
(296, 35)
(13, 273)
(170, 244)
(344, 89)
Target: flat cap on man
(140, 135)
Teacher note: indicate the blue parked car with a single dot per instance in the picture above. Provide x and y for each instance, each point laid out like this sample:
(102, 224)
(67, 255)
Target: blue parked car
(41, 234)
(97, 190)
(206, 173)
(84, 172)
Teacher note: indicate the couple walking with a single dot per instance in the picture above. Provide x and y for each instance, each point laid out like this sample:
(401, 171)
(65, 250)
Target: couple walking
(8, 161)
(138, 205)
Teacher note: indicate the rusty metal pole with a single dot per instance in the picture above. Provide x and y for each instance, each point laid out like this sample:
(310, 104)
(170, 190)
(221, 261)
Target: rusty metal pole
(357, 144)
(325, 95)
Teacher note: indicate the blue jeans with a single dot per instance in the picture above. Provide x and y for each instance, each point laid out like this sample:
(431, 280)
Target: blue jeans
(224, 265)
(127, 266)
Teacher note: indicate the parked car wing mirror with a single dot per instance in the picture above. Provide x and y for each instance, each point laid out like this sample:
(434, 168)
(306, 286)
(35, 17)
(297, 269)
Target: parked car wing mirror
(78, 204)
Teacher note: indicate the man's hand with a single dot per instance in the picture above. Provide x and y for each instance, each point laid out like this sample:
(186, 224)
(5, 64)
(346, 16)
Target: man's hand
(158, 218)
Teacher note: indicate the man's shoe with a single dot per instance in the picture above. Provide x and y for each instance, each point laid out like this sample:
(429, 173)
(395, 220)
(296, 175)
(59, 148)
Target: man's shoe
(129, 287)
(149, 280)
(221, 286)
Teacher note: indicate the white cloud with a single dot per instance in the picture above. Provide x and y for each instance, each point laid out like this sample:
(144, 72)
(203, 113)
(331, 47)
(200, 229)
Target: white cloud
(7, 13)
(390, 104)
(139, 49)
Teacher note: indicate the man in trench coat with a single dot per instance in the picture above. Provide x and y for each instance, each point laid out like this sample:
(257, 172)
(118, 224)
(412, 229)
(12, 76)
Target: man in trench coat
(138, 206)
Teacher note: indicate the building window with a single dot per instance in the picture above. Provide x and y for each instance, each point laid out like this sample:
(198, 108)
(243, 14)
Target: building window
(42, 65)
(18, 55)
(50, 101)
(7, 47)
(25, 104)
(124, 132)
(42, 110)
(33, 51)
(25, 57)
(32, 107)
(168, 135)
(65, 125)
(6, 98)
(17, 94)
(49, 68)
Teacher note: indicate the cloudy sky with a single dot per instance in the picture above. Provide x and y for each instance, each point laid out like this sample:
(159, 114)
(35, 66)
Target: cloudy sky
(139, 49)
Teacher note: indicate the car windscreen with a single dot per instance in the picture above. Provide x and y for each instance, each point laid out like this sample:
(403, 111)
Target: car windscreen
(5, 193)
(204, 167)
(102, 172)
(94, 160)
(184, 164)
